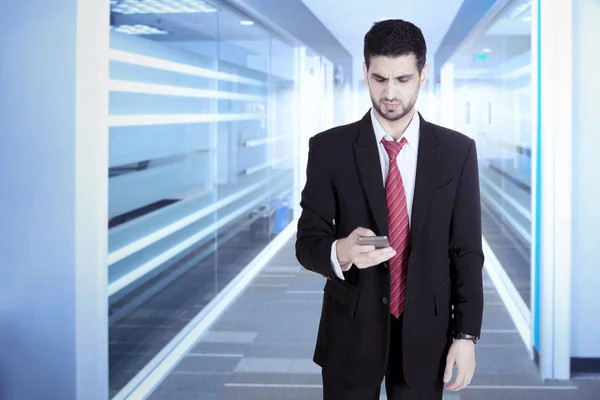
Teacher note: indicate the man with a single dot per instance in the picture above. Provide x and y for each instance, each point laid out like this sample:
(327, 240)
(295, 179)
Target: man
(412, 311)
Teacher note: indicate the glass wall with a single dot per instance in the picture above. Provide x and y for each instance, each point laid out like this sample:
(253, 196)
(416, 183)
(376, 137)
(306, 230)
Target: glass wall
(201, 177)
(491, 95)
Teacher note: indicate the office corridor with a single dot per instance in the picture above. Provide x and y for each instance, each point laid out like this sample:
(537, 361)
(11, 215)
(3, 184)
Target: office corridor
(261, 348)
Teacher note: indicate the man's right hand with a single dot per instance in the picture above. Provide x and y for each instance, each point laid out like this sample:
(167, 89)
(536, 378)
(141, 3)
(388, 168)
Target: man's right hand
(349, 251)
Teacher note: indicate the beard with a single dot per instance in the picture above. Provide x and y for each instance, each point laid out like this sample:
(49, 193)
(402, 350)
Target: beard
(394, 115)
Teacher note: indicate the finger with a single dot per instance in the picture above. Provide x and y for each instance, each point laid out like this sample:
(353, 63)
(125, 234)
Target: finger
(459, 382)
(448, 370)
(364, 264)
(468, 382)
(367, 256)
(374, 257)
(469, 378)
(381, 255)
(362, 248)
(364, 261)
(385, 253)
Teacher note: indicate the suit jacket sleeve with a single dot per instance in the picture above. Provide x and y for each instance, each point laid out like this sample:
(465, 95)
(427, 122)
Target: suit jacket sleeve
(316, 229)
(466, 254)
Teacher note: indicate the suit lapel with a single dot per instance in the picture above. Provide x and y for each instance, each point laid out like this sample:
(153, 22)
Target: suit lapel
(369, 169)
(428, 161)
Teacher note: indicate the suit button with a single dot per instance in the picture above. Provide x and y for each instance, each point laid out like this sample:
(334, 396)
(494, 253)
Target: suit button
(386, 264)
(385, 300)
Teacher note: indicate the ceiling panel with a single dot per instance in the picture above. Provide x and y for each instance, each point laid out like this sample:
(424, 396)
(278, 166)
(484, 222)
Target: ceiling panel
(349, 20)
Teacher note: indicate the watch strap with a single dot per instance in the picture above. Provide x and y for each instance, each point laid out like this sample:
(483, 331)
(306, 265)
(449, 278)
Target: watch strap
(459, 335)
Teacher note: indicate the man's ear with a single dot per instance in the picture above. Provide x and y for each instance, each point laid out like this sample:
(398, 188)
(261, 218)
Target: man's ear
(424, 76)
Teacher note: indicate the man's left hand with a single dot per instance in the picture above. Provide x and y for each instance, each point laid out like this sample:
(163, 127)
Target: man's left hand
(461, 354)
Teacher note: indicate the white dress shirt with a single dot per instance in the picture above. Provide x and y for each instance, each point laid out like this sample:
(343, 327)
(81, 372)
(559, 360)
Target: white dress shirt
(407, 164)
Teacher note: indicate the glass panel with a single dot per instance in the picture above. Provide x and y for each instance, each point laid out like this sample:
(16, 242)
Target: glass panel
(254, 156)
(201, 165)
(492, 73)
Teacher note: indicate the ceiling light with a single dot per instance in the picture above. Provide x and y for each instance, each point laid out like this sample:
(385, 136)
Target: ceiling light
(487, 50)
(519, 10)
(160, 6)
(526, 19)
(139, 30)
(247, 22)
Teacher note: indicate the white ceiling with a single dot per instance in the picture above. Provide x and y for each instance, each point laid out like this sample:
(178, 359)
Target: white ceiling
(349, 20)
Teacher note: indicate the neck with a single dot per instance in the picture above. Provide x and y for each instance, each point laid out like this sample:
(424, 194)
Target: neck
(396, 128)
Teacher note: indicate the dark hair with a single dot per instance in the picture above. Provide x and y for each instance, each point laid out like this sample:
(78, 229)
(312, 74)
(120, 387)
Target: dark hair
(395, 38)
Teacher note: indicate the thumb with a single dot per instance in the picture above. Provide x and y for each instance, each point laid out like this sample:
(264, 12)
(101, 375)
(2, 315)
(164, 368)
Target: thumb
(448, 371)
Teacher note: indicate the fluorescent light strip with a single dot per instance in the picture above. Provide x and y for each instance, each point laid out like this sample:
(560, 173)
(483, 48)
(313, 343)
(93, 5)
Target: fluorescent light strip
(259, 142)
(158, 63)
(166, 90)
(160, 234)
(161, 7)
(150, 265)
(516, 73)
(520, 10)
(139, 30)
(268, 164)
(168, 119)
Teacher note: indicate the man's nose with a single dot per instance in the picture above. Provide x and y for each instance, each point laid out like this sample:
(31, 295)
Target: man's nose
(389, 91)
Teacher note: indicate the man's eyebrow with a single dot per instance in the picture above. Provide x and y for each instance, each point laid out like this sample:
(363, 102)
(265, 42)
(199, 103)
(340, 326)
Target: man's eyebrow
(375, 75)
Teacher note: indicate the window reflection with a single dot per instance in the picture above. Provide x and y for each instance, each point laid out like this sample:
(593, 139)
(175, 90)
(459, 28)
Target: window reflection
(201, 164)
(492, 73)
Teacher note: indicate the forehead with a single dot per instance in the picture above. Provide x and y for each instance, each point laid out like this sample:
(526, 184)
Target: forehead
(383, 65)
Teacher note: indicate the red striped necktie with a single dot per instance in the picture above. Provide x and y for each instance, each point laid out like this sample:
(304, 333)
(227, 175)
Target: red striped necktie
(398, 227)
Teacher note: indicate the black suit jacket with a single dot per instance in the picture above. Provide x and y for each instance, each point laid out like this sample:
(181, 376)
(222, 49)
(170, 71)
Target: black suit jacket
(345, 190)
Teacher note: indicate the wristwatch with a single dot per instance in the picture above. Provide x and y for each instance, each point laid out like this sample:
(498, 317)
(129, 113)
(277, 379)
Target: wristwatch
(458, 335)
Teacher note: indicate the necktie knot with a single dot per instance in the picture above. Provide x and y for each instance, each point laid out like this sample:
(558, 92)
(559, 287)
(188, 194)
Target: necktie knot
(392, 147)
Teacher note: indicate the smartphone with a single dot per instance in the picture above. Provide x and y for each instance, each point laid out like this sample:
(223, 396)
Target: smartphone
(379, 242)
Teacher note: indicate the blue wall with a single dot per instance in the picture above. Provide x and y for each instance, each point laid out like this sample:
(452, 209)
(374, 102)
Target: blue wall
(48, 332)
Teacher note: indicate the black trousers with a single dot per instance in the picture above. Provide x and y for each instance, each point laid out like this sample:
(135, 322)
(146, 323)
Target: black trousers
(336, 388)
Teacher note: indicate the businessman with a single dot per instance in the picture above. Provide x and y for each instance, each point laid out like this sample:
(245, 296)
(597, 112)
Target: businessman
(411, 312)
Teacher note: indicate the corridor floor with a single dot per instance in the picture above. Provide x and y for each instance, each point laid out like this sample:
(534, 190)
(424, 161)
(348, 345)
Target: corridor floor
(262, 346)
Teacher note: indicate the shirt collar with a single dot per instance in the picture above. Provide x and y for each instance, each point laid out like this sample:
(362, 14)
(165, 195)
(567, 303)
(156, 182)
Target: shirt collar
(411, 134)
